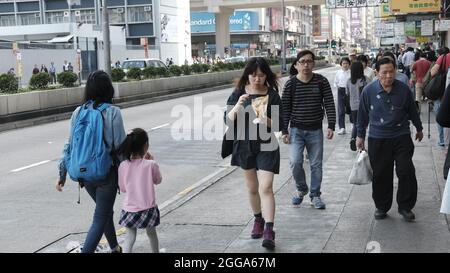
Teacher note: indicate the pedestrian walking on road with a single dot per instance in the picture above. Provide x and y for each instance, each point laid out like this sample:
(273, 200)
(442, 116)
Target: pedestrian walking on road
(368, 72)
(138, 175)
(70, 67)
(35, 69)
(442, 65)
(420, 69)
(305, 95)
(98, 95)
(65, 66)
(52, 70)
(387, 105)
(398, 75)
(443, 118)
(407, 60)
(354, 88)
(44, 69)
(340, 82)
(253, 114)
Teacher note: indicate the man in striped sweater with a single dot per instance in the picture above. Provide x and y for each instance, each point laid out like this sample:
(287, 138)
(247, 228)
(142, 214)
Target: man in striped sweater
(305, 96)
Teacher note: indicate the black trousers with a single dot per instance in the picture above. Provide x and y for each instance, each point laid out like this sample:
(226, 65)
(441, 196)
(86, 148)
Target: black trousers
(383, 153)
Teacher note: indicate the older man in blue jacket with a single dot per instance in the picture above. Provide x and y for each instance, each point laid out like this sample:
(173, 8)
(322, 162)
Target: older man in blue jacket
(387, 105)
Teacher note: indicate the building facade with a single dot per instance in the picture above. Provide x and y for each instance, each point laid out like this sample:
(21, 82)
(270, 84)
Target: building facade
(254, 32)
(136, 16)
(298, 28)
(163, 23)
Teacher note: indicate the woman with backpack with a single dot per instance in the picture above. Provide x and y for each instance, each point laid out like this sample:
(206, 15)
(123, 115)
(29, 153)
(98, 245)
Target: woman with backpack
(441, 66)
(97, 130)
(355, 85)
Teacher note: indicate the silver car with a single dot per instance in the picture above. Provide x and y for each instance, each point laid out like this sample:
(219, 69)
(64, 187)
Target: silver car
(141, 63)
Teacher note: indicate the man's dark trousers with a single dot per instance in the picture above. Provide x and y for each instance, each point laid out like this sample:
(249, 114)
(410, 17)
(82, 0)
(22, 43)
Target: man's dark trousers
(383, 153)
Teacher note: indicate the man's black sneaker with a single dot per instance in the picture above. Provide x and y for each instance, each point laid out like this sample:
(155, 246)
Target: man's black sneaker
(353, 144)
(408, 215)
(379, 214)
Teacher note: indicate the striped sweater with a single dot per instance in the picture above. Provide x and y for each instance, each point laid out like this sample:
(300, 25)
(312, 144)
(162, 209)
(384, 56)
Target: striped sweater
(304, 108)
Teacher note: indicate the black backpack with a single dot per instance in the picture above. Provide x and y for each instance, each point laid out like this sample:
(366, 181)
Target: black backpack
(435, 88)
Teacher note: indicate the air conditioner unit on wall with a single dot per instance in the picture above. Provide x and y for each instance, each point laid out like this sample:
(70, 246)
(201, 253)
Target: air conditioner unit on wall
(77, 13)
(37, 15)
(66, 14)
(119, 10)
(148, 8)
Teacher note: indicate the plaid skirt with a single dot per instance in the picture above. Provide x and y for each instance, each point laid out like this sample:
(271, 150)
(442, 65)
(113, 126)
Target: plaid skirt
(140, 219)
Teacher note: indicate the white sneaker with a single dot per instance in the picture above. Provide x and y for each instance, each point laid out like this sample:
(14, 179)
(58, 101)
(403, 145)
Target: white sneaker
(341, 131)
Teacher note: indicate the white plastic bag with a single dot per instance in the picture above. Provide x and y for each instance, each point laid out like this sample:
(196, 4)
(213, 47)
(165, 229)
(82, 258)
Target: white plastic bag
(445, 206)
(362, 171)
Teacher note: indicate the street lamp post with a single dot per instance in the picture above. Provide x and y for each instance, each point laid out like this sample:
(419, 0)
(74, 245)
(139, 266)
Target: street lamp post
(330, 35)
(185, 54)
(283, 46)
(106, 38)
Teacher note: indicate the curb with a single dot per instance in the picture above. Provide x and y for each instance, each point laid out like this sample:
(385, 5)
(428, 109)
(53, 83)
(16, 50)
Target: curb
(23, 120)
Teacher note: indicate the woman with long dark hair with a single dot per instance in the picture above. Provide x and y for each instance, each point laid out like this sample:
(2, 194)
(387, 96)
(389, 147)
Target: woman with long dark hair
(254, 114)
(355, 85)
(99, 93)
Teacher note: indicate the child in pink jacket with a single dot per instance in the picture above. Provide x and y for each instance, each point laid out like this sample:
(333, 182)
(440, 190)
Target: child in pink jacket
(137, 178)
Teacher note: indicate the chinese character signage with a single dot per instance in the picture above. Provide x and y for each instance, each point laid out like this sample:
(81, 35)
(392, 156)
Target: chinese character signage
(427, 28)
(334, 4)
(317, 21)
(442, 25)
(410, 29)
(399, 28)
(361, 3)
(351, 3)
(415, 6)
(330, 4)
(340, 4)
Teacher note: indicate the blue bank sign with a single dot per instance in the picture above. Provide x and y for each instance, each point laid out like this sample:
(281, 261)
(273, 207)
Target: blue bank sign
(239, 21)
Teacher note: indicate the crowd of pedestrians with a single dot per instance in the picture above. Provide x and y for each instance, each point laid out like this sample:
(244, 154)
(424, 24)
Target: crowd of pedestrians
(376, 97)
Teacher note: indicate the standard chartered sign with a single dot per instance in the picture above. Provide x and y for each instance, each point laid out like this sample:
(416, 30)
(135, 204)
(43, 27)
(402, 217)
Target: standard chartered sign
(202, 22)
(240, 21)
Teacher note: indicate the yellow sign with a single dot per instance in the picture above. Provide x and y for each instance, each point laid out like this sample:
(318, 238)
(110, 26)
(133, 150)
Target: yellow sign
(422, 39)
(415, 6)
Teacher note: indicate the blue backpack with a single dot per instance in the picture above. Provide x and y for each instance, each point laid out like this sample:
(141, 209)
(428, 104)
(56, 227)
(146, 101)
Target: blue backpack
(88, 158)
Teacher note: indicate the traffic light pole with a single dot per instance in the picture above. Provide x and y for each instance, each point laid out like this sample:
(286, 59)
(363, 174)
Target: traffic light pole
(330, 35)
(283, 46)
(106, 39)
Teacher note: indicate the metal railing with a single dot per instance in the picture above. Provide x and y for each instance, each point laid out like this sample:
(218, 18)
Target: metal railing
(9, 45)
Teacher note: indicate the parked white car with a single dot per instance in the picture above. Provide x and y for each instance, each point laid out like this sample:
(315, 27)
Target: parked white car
(235, 59)
(141, 63)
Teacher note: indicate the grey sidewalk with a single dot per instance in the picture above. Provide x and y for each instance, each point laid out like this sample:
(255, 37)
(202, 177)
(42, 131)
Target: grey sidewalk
(216, 217)
(219, 219)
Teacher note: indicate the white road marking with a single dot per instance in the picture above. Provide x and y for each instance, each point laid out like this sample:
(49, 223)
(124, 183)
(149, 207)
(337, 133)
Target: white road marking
(30, 166)
(160, 126)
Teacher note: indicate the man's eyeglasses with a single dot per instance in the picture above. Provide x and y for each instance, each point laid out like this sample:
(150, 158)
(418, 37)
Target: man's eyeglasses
(305, 62)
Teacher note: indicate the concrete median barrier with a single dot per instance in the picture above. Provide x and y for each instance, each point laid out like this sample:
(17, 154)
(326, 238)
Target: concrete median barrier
(39, 104)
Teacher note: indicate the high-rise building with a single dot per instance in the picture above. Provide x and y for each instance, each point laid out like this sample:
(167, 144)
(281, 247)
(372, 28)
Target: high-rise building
(164, 24)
